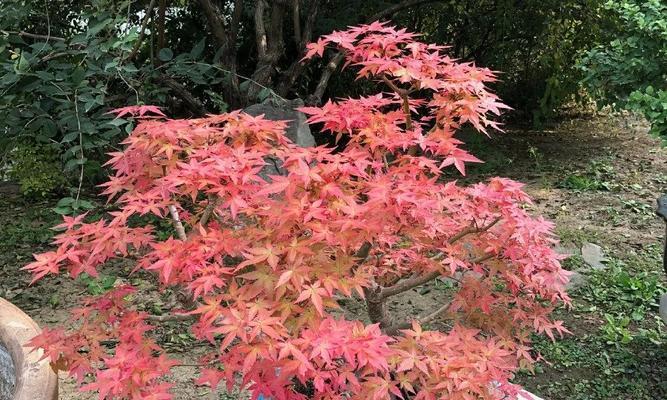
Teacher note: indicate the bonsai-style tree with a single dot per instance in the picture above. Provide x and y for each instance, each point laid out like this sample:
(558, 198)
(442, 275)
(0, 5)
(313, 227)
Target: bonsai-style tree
(266, 255)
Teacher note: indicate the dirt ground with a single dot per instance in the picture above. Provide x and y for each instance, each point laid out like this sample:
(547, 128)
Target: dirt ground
(596, 178)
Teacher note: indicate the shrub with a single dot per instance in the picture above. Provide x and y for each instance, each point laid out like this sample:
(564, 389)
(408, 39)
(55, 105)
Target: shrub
(266, 258)
(629, 72)
(37, 169)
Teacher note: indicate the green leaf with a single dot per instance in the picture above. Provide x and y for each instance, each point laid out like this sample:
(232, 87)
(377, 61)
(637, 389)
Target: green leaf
(62, 210)
(95, 29)
(198, 49)
(65, 201)
(165, 54)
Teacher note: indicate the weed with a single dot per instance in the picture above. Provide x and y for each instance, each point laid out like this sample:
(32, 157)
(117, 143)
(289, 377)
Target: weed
(577, 237)
(536, 157)
(598, 176)
(615, 330)
(99, 285)
(639, 208)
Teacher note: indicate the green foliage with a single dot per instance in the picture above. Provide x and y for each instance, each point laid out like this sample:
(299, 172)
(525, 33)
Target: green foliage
(71, 206)
(622, 291)
(58, 83)
(37, 168)
(630, 70)
(98, 285)
(597, 176)
(533, 43)
(55, 89)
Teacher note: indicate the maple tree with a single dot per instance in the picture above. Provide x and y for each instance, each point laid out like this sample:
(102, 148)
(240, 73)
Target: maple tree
(267, 257)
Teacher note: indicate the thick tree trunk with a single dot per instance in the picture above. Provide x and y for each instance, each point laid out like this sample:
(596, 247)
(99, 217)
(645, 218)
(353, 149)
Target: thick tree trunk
(270, 44)
(376, 307)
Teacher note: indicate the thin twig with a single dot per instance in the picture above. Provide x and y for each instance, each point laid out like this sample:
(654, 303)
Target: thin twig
(422, 321)
(412, 282)
(78, 126)
(33, 35)
(142, 31)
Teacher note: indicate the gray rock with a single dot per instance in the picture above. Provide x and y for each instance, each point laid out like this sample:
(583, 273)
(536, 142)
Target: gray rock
(663, 307)
(577, 280)
(593, 256)
(297, 130)
(285, 110)
(7, 374)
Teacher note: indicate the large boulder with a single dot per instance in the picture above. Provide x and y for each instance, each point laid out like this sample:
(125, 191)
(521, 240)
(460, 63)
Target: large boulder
(297, 130)
(286, 110)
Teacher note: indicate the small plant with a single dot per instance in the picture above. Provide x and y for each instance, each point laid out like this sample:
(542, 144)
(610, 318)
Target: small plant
(580, 182)
(73, 206)
(616, 330)
(598, 176)
(99, 285)
(639, 208)
(536, 156)
(266, 259)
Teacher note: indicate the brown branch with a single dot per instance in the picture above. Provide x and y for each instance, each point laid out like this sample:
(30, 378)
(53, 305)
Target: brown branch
(408, 284)
(208, 211)
(142, 31)
(225, 37)
(393, 330)
(260, 29)
(419, 280)
(392, 85)
(294, 70)
(33, 35)
(317, 95)
(270, 45)
(215, 23)
(182, 92)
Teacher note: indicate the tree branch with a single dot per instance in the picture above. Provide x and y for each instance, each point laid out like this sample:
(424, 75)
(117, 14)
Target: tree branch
(389, 11)
(422, 320)
(270, 44)
(178, 225)
(317, 95)
(260, 29)
(216, 24)
(142, 31)
(208, 211)
(419, 280)
(296, 21)
(33, 35)
(182, 92)
(162, 10)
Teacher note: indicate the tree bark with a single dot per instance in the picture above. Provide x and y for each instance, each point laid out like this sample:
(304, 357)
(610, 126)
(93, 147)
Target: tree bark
(292, 73)
(270, 44)
(225, 37)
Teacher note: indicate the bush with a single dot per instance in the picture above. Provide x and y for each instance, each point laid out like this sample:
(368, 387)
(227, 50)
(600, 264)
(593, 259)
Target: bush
(267, 255)
(37, 169)
(630, 71)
